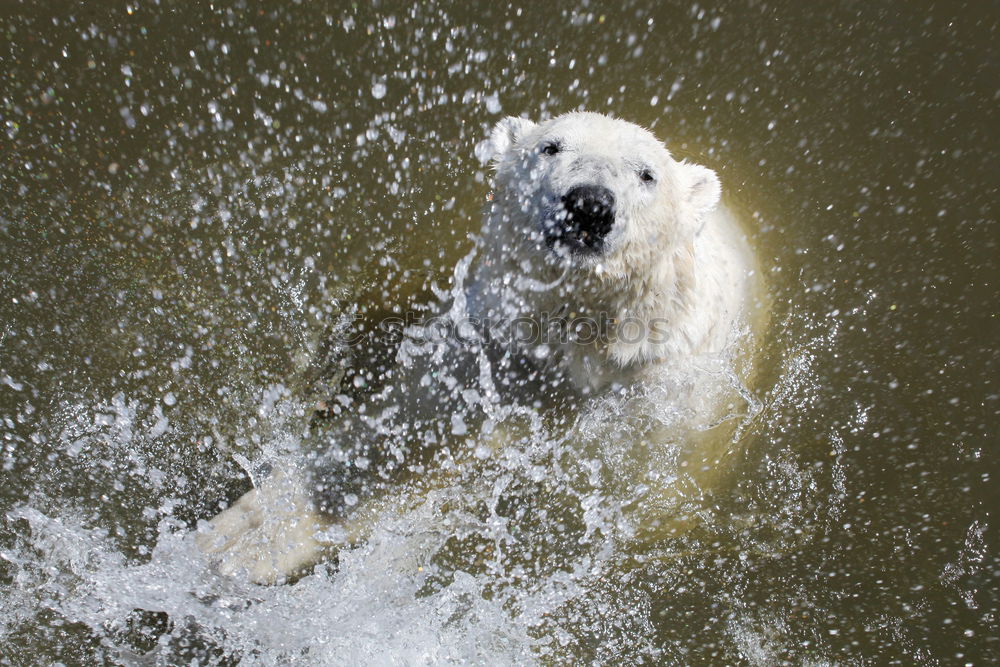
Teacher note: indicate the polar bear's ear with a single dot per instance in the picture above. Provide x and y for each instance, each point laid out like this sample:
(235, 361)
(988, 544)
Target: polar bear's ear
(702, 187)
(505, 134)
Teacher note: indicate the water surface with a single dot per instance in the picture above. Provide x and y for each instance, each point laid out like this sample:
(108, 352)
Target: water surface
(190, 195)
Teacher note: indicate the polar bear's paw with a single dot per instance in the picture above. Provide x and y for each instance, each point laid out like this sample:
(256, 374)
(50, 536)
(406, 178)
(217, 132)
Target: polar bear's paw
(270, 534)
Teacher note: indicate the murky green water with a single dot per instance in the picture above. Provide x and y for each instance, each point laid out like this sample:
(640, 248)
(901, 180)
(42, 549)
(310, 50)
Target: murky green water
(190, 194)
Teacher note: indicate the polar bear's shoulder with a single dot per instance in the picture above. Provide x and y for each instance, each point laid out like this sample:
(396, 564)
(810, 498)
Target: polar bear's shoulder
(726, 282)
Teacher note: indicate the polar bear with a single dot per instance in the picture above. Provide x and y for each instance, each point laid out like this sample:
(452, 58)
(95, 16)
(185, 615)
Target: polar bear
(607, 249)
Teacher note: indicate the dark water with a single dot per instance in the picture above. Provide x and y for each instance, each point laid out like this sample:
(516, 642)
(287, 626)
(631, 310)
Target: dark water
(190, 193)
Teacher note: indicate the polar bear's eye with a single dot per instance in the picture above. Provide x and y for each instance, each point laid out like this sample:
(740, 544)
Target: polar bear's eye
(646, 176)
(551, 148)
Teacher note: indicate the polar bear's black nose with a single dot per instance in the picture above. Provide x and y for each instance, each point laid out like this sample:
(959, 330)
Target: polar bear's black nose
(590, 213)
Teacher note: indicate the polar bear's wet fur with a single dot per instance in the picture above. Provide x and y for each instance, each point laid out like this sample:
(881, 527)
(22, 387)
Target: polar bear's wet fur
(590, 215)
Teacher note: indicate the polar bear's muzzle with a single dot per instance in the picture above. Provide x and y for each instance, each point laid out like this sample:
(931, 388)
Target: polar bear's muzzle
(585, 219)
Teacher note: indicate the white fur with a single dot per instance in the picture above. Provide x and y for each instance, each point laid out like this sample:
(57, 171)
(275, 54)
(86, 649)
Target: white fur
(669, 258)
(271, 532)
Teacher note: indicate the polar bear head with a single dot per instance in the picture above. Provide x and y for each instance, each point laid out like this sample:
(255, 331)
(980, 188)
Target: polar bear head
(593, 192)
